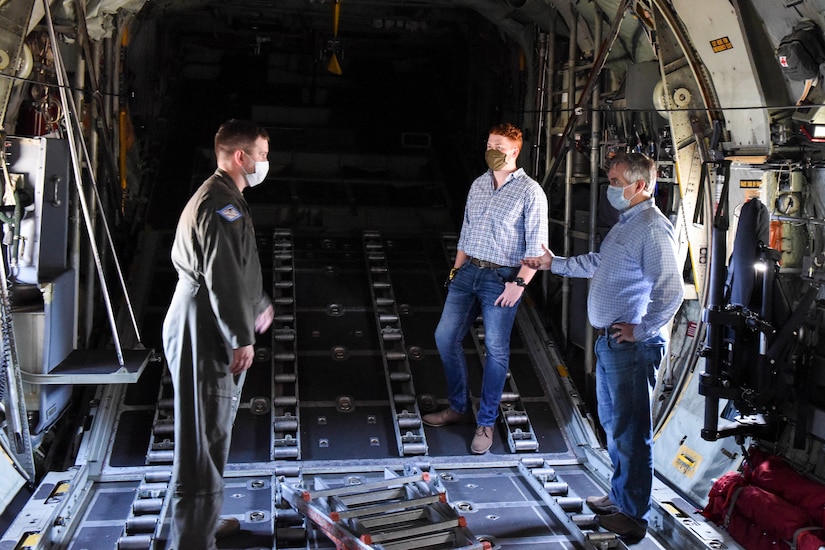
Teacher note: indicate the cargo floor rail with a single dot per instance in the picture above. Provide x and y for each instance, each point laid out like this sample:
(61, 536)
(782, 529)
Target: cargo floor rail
(409, 430)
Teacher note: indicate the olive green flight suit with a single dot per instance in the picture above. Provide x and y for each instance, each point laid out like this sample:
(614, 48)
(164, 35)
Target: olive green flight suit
(216, 301)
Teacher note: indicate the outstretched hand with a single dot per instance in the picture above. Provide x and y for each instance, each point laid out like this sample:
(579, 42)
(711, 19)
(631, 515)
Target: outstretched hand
(264, 320)
(540, 262)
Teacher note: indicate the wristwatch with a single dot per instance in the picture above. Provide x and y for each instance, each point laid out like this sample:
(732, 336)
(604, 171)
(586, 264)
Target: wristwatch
(520, 282)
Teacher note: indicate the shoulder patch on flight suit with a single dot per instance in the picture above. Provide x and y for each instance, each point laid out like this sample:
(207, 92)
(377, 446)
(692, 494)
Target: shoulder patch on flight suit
(230, 213)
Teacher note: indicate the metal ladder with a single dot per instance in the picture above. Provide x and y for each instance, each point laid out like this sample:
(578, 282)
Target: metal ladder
(400, 512)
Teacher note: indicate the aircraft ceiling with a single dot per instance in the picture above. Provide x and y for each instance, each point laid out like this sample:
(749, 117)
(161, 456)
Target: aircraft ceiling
(380, 27)
(766, 22)
(370, 17)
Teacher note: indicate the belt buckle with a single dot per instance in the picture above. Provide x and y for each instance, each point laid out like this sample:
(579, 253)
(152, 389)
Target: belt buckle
(484, 264)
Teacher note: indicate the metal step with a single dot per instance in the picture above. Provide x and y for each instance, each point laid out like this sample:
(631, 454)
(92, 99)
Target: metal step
(401, 512)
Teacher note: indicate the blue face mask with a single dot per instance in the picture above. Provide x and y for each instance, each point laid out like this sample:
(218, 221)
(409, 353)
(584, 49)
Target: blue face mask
(616, 198)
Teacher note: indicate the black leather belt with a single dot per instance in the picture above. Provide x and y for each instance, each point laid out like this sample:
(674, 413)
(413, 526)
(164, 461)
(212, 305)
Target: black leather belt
(601, 331)
(484, 265)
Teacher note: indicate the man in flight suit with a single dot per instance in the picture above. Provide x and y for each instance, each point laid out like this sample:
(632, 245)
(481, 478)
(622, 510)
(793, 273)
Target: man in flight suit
(209, 331)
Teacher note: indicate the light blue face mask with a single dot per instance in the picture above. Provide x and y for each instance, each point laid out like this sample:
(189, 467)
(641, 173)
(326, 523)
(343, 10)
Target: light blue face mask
(616, 198)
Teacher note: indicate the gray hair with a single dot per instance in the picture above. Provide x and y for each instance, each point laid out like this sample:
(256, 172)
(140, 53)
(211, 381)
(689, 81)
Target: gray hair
(637, 166)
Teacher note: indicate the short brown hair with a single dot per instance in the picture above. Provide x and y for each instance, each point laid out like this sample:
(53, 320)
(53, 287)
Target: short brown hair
(509, 131)
(237, 134)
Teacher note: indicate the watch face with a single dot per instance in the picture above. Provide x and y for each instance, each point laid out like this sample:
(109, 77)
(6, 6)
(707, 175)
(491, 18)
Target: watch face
(519, 281)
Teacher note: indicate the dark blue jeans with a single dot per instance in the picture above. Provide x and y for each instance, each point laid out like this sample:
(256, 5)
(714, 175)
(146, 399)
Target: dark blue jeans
(625, 374)
(472, 290)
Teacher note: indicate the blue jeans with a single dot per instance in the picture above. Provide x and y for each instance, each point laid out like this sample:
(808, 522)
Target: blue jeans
(625, 373)
(472, 290)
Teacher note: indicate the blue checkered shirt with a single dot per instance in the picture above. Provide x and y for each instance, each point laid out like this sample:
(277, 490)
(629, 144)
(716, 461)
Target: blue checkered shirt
(636, 276)
(507, 224)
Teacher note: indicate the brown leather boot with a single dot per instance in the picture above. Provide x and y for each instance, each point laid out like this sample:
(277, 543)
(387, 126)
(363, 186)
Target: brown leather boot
(601, 505)
(446, 417)
(227, 527)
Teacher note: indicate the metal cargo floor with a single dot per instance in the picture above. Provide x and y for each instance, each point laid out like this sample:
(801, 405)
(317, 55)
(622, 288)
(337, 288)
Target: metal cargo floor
(334, 400)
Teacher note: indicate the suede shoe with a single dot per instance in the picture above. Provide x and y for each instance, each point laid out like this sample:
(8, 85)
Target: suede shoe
(483, 440)
(227, 527)
(446, 417)
(602, 505)
(629, 529)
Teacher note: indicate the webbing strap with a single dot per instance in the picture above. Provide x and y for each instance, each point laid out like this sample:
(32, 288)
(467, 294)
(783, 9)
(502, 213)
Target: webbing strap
(800, 531)
(733, 499)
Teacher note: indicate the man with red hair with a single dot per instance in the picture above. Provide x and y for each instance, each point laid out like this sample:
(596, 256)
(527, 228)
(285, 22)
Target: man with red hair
(505, 223)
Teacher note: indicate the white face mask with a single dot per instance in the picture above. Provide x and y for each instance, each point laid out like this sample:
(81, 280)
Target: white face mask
(615, 195)
(259, 175)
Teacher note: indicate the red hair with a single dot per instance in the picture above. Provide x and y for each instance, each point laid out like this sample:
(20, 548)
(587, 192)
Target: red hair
(509, 131)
